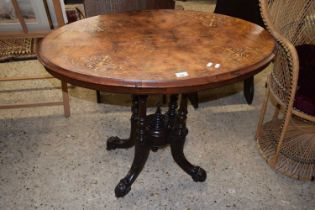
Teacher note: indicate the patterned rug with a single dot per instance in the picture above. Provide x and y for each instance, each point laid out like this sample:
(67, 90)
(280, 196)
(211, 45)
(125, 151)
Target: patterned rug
(17, 49)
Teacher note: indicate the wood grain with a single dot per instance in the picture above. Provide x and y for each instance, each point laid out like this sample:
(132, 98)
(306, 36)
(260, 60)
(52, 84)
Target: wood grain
(142, 52)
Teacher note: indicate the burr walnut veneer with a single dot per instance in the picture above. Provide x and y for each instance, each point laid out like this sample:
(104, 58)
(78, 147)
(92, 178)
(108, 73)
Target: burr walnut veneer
(156, 52)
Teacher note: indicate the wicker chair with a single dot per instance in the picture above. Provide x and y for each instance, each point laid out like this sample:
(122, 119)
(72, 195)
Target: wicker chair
(95, 7)
(287, 141)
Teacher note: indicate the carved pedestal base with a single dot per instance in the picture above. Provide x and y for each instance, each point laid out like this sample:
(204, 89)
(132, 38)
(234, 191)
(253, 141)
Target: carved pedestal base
(151, 133)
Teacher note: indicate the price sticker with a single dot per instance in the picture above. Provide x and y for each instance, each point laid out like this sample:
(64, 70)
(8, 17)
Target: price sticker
(181, 74)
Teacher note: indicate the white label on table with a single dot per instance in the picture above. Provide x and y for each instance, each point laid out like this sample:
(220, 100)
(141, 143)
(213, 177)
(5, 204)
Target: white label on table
(182, 74)
(209, 64)
(217, 66)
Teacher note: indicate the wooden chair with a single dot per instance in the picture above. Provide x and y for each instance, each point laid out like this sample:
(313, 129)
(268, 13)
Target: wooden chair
(287, 141)
(247, 10)
(25, 33)
(95, 7)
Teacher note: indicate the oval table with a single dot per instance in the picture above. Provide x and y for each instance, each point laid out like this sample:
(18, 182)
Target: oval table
(156, 52)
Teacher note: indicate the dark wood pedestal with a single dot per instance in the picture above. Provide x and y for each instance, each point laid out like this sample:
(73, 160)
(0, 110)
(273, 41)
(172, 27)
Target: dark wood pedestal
(151, 132)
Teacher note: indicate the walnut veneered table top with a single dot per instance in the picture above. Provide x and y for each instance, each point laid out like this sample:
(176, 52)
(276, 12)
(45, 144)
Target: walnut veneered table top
(158, 51)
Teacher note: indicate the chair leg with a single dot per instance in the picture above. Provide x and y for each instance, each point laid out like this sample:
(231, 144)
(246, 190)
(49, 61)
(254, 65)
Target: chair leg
(194, 99)
(98, 96)
(249, 90)
(262, 113)
(65, 97)
(280, 142)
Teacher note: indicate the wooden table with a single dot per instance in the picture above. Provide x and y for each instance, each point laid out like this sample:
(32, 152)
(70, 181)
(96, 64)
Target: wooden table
(156, 52)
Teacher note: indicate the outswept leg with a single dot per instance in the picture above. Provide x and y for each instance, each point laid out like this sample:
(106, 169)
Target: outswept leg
(142, 150)
(115, 142)
(141, 156)
(177, 144)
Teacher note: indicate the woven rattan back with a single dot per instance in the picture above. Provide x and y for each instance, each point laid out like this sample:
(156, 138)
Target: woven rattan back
(292, 23)
(293, 19)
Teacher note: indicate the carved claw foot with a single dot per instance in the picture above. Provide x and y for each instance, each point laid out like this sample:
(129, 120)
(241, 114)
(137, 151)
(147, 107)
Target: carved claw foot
(198, 174)
(122, 188)
(114, 142)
